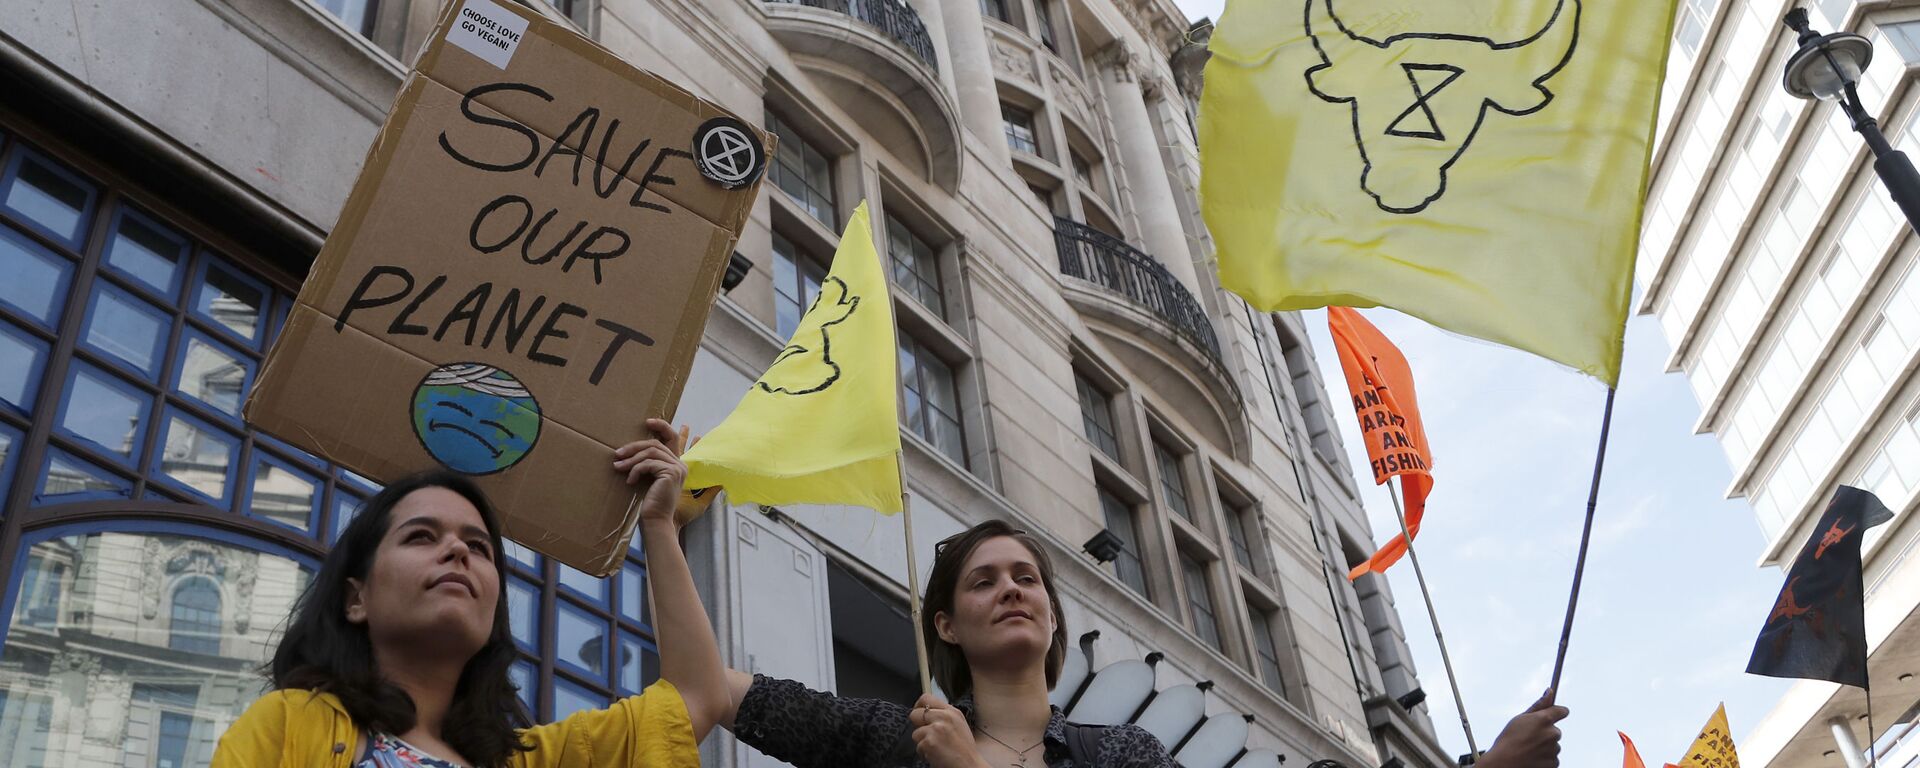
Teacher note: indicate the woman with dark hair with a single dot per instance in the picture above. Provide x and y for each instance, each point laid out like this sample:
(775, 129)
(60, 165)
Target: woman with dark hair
(997, 639)
(399, 651)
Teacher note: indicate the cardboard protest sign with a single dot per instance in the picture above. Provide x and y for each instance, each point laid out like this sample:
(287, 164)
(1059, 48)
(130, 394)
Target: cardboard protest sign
(519, 278)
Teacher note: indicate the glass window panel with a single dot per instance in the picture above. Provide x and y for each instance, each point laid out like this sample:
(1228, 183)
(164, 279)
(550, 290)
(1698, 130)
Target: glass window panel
(524, 677)
(639, 663)
(633, 593)
(1120, 523)
(282, 494)
(231, 300)
(1096, 416)
(947, 436)
(1269, 652)
(345, 507)
(9, 448)
(523, 611)
(521, 554)
(68, 477)
(996, 9)
(580, 640)
(938, 378)
(147, 252)
(163, 712)
(802, 171)
(199, 457)
(53, 199)
(1200, 601)
(352, 13)
(1237, 534)
(99, 409)
(213, 374)
(579, 581)
(22, 359)
(1173, 482)
(1018, 124)
(637, 546)
(36, 281)
(569, 698)
(127, 328)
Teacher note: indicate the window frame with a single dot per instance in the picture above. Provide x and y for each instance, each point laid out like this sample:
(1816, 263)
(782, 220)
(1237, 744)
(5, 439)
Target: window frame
(789, 134)
(1008, 122)
(1196, 573)
(1120, 506)
(1083, 385)
(909, 342)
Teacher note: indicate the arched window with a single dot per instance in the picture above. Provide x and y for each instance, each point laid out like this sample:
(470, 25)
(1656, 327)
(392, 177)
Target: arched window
(195, 624)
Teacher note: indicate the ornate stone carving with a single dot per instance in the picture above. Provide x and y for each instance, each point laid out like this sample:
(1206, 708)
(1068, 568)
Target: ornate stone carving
(1074, 94)
(1125, 65)
(1010, 60)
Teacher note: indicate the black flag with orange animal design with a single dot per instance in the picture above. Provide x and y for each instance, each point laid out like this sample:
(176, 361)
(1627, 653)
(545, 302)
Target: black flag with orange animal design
(1817, 628)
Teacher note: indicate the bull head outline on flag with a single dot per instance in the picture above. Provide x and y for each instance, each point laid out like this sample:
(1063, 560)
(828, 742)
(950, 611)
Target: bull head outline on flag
(1410, 135)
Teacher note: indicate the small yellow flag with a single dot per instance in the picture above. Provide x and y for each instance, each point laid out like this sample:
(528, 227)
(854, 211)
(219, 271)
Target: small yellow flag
(821, 426)
(1714, 747)
(1479, 164)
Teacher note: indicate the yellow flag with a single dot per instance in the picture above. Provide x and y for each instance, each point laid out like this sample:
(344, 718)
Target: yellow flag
(1714, 747)
(821, 426)
(1479, 164)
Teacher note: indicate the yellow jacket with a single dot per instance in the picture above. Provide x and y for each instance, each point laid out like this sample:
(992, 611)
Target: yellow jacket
(295, 728)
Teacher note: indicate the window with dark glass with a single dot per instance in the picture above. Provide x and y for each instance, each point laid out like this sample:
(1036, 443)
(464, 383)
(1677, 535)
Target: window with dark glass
(916, 265)
(1019, 126)
(1173, 479)
(1237, 522)
(1096, 416)
(1121, 523)
(1200, 601)
(995, 9)
(930, 399)
(195, 624)
(796, 281)
(356, 15)
(804, 172)
(1266, 650)
(1043, 17)
(1082, 169)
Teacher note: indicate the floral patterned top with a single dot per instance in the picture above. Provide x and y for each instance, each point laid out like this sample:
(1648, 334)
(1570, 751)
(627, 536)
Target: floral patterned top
(385, 751)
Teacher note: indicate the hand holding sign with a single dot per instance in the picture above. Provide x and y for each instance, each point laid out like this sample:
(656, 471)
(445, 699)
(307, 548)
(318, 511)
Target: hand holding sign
(658, 459)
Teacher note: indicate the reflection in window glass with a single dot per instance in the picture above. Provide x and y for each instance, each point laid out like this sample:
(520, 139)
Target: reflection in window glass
(199, 457)
(67, 475)
(638, 665)
(796, 281)
(569, 698)
(582, 583)
(1268, 651)
(9, 444)
(932, 406)
(163, 711)
(103, 411)
(211, 374)
(345, 507)
(352, 13)
(1119, 516)
(633, 593)
(231, 300)
(1200, 601)
(194, 626)
(802, 171)
(21, 359)
(283, 495)
(523, 679)
(915, 265)
(147, 252)
(519, 553)
(523, 612)
(1019, 127)
(36, 278)
(126, 327)
(580, 639)
(49, 198)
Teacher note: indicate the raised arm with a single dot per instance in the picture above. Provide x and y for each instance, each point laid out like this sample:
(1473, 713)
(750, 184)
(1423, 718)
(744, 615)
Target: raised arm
(689, 657)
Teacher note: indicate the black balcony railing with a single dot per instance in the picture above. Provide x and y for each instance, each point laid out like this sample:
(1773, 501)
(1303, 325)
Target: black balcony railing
(893, 17)
(1100, 258)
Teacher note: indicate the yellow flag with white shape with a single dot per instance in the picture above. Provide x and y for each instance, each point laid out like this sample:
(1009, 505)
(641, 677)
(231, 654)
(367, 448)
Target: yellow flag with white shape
(1479, 164)
(821, 425)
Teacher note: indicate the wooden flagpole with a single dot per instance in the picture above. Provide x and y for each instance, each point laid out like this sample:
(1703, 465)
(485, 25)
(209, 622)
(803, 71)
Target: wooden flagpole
(1586, 537)
(913, 575)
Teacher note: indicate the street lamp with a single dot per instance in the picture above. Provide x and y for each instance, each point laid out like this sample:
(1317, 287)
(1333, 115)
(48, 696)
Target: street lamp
(1827, 67)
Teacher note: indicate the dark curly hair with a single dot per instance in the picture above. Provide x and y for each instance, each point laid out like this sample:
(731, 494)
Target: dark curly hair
(322, 651)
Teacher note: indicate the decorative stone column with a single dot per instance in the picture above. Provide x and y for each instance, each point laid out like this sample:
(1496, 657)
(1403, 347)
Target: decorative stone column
(971, 60)
(1146, 174)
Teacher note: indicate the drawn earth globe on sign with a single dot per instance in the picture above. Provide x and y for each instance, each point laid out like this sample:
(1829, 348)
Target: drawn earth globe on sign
(475, 418)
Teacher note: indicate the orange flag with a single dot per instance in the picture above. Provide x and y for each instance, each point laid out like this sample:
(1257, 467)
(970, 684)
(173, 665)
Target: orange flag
(1389, 414)
(1632, 759)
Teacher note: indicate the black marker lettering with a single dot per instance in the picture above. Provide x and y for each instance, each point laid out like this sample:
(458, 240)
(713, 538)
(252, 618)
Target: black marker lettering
(466, 109)
(473, 234)
(469, 309)
(653, 175)
(585, 250)
(590, 117)
(621, 335)
(551, 329)
(359, 300)
(526, 246)
(400, 326)
(516, 325)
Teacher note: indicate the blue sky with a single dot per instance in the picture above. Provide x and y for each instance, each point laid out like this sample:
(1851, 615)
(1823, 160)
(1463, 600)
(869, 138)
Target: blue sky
(1673, 596)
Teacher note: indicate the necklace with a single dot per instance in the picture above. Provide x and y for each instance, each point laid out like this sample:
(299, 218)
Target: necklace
(1019, 754)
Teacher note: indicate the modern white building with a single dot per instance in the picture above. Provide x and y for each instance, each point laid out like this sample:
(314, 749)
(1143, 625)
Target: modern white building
(169, 168)
(1784, 278)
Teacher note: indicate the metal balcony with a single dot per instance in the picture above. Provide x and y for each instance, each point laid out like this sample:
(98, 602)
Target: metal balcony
(1107, 261)
(893, 18)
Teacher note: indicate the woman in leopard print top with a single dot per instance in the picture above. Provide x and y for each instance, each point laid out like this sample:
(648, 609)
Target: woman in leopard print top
(998, 640)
